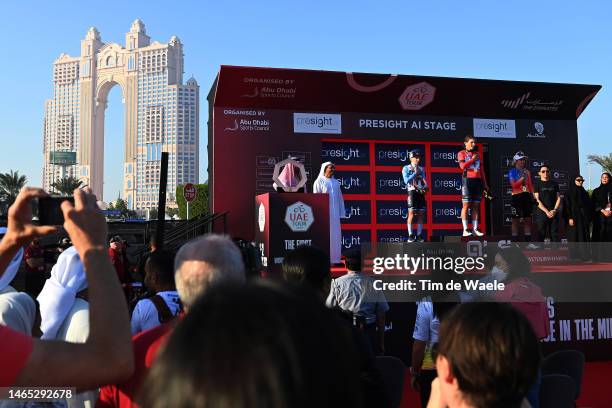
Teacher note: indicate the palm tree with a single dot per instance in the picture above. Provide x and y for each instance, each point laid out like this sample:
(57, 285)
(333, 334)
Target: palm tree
(604, 161)
(10, 184)
(67, 185)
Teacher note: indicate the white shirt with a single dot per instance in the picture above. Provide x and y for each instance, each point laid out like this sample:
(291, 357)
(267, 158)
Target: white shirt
(145, 315)
(354, 292)
(426, 325)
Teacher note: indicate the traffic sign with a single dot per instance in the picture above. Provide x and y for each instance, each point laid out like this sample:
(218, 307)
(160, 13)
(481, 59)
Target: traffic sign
(190, 192)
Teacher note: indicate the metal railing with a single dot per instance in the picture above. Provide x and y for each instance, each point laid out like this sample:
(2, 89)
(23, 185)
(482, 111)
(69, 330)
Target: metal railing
(193, 228)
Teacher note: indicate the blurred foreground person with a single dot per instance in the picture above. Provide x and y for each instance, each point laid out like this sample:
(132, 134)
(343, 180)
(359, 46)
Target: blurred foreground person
(488, 356)
(106, 356)
(199, 264)
(257, 345)
(308, 267)
(64, 310)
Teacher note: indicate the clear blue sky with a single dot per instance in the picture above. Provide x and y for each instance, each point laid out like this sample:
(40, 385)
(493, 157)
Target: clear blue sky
(547, 41)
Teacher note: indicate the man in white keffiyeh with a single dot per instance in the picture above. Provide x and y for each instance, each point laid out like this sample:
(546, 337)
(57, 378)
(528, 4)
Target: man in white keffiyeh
(64, 309)
(327, 184)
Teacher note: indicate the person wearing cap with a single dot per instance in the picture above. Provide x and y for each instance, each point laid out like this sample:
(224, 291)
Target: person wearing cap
(114, 251)
(416, 183)
(522, 196)
(473, 181)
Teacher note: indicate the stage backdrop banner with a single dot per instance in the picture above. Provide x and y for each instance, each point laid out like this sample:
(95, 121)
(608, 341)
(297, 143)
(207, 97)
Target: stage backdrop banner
(367, 123)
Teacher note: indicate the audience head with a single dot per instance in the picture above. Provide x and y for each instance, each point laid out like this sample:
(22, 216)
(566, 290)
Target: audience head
(353, 260)
(116, 243)
(488, 356)
(513, 262)
(308, 265)
(605, 178)
(256, 345)
(204, 261)
(159, 271)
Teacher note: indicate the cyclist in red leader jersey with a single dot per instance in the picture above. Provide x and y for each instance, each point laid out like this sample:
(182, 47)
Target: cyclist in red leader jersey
(522, 196)
(473, 182)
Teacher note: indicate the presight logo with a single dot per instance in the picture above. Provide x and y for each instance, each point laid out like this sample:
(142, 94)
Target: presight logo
(349, 183)
(317, 123)
(393, 212)
(539, 131)
(390, 183)
(494, 128)
(354, 238)
(351, 241)
(345, 154)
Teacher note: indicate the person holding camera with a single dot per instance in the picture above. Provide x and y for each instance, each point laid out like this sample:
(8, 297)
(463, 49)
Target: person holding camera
(522, 196)
(416, 182)
(547, 195)
(473, 181)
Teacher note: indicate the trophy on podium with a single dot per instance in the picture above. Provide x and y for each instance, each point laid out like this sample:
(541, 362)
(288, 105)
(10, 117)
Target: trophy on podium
(292, 177)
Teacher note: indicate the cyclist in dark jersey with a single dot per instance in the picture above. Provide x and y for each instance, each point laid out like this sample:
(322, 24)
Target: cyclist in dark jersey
(473, 182)
(522, 196)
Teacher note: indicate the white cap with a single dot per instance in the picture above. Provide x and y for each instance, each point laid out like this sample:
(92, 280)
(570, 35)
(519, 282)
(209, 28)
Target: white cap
(518, 156)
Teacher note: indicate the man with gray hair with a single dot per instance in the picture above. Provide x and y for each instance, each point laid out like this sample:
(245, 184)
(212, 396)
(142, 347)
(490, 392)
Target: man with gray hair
(199, 264)
(205, 261)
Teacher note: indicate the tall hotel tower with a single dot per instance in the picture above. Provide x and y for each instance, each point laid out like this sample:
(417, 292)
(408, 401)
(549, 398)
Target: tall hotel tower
(161, 115)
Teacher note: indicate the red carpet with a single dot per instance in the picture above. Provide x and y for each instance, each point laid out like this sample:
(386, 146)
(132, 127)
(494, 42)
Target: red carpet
(596, 389)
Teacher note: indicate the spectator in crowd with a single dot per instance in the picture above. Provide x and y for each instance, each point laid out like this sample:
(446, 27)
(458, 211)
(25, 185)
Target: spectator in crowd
(522, 196)
(488, 356)
(143, 259)
(117, 258)
(354, 293)
(64, 310)
(199, 264)
(578, 209)
(520, 291)
(526, 297)
(430, 312)
(256, 345)
(17, 310)
(547, 195)
(106, 356)
(602, 221)
(34, 258)
(165, 304)
(308, 267)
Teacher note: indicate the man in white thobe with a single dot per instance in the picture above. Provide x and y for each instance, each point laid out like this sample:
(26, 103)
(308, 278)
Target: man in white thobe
(327, 184)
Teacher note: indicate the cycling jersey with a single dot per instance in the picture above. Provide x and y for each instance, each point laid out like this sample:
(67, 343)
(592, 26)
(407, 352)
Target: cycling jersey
(412, 180)
(522, 186)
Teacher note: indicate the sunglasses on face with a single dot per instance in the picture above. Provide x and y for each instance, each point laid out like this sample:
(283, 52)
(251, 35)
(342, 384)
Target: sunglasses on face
(579, 180)
(544, 171)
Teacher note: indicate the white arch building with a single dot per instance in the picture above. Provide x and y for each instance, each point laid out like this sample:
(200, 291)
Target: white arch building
(161, 114)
